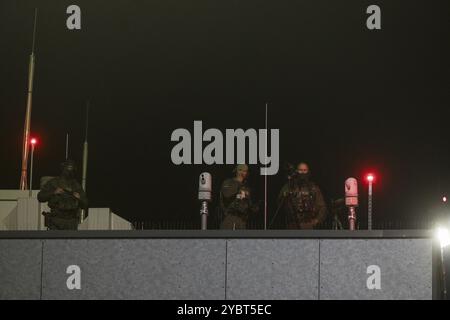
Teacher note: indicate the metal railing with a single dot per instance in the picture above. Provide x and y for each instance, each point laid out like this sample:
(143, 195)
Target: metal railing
(161, 224)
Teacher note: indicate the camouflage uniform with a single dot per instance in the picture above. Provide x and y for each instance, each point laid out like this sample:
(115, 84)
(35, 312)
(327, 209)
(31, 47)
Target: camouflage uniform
(234, 207)
(304, 205)
(65, 207)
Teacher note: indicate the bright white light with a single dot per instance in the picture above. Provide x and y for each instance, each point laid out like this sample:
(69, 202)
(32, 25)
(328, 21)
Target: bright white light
(443, 236)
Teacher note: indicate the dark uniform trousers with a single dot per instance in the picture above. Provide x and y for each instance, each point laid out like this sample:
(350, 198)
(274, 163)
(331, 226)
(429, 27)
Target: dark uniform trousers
(233, 222)
(57, 223)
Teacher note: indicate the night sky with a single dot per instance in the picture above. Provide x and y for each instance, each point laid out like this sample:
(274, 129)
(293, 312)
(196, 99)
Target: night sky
(346, 99)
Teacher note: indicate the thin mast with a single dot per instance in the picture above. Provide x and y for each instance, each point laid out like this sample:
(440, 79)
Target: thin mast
(26, 130)
(265, 176)
(67, 146)
(85, 149)
(85, 158)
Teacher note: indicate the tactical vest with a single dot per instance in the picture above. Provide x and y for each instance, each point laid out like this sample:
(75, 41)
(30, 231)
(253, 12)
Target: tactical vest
(302, 202)
(232, 201)
(63, 202)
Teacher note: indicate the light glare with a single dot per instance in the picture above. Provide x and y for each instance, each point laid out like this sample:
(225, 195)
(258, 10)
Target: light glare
(443, 236)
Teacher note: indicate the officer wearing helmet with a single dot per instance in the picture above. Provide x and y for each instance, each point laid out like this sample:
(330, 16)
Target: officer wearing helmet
(235, 200)
(302, 200)
(65, 198)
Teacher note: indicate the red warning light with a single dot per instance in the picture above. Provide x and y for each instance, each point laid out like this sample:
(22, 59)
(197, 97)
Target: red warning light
(33, 141)
(370, 177)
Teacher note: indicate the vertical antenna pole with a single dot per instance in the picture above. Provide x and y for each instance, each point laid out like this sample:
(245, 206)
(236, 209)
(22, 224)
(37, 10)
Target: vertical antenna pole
(85, 149)
(265, 176)
(67, 146)
(26, 130)
(85, 158)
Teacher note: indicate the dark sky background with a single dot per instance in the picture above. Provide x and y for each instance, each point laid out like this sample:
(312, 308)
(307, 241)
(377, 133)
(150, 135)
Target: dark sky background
(345, 99)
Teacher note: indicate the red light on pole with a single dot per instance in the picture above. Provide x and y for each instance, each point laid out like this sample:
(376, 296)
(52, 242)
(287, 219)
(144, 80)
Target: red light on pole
(33, 142)
(370, 177)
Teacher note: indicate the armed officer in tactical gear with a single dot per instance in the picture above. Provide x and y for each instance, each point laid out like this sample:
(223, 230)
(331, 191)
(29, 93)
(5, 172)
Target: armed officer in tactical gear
(235, 200)
(65, 198)
(302, 200)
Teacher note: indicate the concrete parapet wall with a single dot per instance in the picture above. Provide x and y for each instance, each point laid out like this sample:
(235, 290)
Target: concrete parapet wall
(214, 268)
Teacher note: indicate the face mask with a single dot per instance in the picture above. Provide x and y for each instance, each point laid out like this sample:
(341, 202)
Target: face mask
(303, 177)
